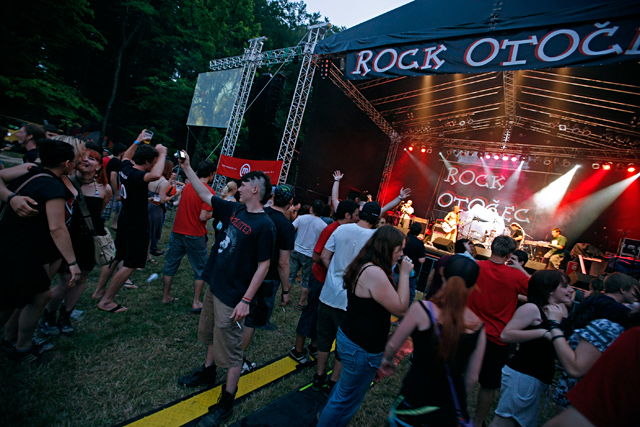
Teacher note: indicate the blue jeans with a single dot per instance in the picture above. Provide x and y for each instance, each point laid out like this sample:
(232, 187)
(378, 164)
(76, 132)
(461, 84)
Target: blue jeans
(413, 284)
(358, 371)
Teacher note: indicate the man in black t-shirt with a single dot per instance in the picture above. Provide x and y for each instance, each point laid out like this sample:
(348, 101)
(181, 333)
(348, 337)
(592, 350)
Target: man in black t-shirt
(27, 137)
(236, 268)
(264, 300)
(140, 166)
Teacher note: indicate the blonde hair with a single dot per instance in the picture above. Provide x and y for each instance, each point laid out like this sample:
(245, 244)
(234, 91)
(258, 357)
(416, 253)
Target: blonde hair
(78, 146)
(230, 187)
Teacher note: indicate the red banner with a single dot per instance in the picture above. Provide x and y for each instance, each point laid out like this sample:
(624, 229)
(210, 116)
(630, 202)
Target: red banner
(233, 167)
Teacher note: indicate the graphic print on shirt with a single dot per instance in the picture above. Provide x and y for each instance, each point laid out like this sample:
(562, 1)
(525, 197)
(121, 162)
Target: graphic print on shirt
(229, 242)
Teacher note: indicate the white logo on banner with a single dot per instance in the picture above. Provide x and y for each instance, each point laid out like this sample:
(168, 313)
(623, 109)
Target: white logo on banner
(245, 169)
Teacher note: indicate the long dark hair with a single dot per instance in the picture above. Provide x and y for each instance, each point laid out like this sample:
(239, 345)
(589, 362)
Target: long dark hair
(461, 274)
(52, 153)
(542, 283)
(379, 251)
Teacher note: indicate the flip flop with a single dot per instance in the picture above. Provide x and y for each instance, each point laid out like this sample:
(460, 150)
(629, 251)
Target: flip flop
(173, 299)
(117, 309)
(130, 285)
(152, 261)
(284, 304)
(195, 310)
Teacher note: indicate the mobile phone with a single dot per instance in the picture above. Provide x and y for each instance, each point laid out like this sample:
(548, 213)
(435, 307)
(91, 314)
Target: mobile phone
(180, 155)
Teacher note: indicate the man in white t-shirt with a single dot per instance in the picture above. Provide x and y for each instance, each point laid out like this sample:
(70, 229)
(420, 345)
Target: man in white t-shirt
(308, 228)
(341, 248)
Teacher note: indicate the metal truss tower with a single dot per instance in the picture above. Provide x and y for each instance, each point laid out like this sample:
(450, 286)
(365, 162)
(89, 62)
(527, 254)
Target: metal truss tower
(237, 113)
(300, 98)
(509, 104)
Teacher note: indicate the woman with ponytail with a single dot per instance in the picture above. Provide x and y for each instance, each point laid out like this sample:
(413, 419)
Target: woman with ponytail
(33, 240)
(528, 374)
(454, 353)
(372, 298)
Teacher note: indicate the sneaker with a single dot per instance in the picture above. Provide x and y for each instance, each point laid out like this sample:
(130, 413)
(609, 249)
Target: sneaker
(219, 412)
(41, 345)
(300, 357)
(312, 351)
(64, 321)
(328, 387)
(319, 381)
(24, 356)
(201, 376)
(247, 366)
(47, 323)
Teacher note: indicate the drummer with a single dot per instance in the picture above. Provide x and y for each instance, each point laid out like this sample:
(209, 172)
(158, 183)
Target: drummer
(517, 233)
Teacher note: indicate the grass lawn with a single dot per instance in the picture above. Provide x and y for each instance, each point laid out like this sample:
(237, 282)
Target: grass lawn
(118, 366)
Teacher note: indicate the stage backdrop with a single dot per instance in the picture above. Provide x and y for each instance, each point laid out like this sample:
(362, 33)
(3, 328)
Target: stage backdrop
(594, 206)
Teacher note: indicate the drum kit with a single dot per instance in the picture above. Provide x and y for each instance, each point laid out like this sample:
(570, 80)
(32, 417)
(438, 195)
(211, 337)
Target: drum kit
(481, 225)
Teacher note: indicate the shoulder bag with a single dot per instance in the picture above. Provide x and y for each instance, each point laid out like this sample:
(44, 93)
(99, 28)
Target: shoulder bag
(104, 250)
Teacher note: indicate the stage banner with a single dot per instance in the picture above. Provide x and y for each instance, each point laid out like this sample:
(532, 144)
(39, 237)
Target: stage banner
(492, 199)
(233, 167)
(593, 43)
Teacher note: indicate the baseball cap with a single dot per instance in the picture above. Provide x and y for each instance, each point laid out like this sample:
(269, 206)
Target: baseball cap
(371, 208)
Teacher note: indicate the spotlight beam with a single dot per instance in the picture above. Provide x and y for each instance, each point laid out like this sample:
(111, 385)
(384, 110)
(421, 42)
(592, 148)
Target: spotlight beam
(548, 199)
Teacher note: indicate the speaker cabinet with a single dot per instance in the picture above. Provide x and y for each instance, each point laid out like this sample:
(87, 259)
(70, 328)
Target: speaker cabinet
(533, 266)
(580, 280)
(444, 244)
(482, 253)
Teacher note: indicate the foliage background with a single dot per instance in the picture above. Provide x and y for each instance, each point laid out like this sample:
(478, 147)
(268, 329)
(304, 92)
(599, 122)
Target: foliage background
(118, 66)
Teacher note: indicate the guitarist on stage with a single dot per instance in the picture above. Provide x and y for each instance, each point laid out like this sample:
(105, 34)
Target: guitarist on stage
(517, 234)
(451, 222)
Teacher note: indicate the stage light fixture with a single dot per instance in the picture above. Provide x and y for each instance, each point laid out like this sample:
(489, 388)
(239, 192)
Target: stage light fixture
(448, 152)
(514, 158)
(562, 127)
(595, 165)
(429, 150)
(607, 166)
(631, 167)
(411, 147)
(455, 152)
(505, 157)
(566, 163)
(462, 123)
(496, 156)
(547, 161)
(423, 149)
(619, 166)
(523, 159)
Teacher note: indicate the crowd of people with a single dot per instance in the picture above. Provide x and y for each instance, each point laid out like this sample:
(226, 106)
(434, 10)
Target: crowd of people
(488, 322)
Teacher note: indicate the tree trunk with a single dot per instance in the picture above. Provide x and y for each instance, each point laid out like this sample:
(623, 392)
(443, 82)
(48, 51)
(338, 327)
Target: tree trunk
(116, 76)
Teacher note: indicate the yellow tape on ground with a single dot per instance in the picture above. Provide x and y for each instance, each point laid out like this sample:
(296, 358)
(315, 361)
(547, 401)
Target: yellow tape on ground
(190, 409)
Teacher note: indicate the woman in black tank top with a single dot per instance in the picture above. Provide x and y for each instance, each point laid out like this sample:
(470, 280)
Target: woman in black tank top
(372, 297)
(530, 371)
(427, 396)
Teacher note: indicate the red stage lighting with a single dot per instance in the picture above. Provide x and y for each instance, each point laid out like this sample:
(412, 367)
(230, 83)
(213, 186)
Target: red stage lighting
(514, 158)
(606, 166)
(411, 148)
(505, 157)
(423, 149)
(496, 157)
(631, 168)
(487, 156)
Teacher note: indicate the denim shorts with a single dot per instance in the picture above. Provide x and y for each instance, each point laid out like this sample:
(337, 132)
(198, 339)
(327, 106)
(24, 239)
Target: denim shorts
(520, 397)
(309, 317)
(180, 245)
(299, 261)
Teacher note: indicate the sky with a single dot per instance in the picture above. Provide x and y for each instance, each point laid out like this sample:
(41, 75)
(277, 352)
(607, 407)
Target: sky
(347, 13)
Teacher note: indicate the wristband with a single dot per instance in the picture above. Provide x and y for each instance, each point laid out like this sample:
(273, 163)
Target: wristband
(285, 292)
(136, 142)
(246, 300)
(556, 337)
(553, 325)
(75, 262)
(11, 196)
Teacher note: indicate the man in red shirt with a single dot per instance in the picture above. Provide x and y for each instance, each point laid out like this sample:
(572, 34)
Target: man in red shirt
(189, 237)
(348, 212)
(494, 301)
